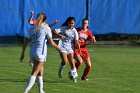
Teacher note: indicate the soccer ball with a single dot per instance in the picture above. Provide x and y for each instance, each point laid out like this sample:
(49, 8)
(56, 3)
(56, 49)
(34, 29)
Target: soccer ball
(72, 75)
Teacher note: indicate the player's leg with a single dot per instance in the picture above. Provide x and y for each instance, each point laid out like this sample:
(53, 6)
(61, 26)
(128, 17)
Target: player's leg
(40, 75)
(72, 64)
(36, 69)
(87, 68)
(30, 83)
(79, 60)
(71, 60)
(31, 79)
(40, 80)
(63, 56)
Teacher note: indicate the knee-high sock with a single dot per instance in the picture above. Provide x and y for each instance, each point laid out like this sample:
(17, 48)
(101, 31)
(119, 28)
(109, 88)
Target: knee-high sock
(77, 65)
(86, 71)
(40, 83)
(30, 83)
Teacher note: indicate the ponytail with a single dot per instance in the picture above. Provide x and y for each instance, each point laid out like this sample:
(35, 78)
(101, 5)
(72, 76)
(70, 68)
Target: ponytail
(39, 20)
(41, 17)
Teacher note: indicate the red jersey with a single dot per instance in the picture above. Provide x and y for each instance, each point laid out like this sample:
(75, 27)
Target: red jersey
(83, 37)
(34, 22)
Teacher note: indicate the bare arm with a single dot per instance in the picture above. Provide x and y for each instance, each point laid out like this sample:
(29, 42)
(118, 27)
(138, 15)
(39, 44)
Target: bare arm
(25, 43)
(54, 44)
(93, 40)
(62, 36)
(30, 21)
(56, 22)
(78, 46)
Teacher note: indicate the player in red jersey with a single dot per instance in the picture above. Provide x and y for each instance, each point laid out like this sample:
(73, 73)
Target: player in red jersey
(84, 35)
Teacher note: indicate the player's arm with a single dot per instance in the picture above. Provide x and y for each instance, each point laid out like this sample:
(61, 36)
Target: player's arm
(49, 36)
(25, 43)
(78, 46)
(54, 44)
(57, 32)
(77, 42)
(30, 21)
(56, 22)
(93, 40)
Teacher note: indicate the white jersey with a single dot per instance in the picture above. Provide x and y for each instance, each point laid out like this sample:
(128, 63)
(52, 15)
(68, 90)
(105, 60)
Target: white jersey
(71, 36)
(38, 40)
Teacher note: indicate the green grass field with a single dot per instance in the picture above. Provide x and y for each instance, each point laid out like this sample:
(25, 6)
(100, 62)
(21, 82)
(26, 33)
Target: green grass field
(114, 70)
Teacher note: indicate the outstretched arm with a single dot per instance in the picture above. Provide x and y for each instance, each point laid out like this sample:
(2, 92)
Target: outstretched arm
(25, 43)
(60, 35)
(56, 22)
(30, 21)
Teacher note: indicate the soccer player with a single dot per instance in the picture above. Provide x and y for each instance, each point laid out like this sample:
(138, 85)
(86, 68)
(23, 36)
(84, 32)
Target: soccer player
(69, 36)
(84, 34)
(38, 37)
(33, 22)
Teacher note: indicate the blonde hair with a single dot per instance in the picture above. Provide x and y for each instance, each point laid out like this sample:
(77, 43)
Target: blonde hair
(41, 17)
(39, 20)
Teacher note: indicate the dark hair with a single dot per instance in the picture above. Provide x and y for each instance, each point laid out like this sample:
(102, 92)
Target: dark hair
(84, 20)
(69, 19)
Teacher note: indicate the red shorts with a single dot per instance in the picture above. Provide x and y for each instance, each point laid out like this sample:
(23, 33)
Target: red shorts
(85, 53)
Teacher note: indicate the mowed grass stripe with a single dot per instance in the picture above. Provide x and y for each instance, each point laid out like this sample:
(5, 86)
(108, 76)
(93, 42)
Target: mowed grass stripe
(114, 70)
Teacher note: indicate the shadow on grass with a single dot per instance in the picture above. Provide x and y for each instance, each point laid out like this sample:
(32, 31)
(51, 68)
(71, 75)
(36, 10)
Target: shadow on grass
(13, 80)
(25, 80)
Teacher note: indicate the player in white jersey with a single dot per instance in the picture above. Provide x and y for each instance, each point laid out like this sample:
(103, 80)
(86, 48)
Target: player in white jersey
(33, 23)
(69, 36)
(38, 48)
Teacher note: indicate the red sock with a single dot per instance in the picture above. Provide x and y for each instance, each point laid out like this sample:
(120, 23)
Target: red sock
(77, 65)
(86, 71)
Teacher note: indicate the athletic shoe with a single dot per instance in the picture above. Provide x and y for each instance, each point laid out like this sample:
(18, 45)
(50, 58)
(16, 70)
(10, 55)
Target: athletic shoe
(84, 78)
(42, 92)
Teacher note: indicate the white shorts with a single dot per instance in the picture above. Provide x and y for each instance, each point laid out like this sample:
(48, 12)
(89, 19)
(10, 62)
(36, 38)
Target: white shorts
(66, 50)
(41, 58)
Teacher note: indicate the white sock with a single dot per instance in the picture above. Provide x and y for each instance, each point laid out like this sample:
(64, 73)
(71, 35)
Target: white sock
(30, 83)
(74, 69)
(40, 83)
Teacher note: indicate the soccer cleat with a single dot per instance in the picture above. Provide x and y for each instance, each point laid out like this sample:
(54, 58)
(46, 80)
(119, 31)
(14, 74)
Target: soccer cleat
(42, 92)
(84, 78)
